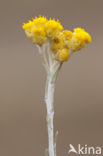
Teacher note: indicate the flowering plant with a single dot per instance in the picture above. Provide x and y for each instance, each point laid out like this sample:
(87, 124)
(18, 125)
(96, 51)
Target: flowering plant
(55, 45)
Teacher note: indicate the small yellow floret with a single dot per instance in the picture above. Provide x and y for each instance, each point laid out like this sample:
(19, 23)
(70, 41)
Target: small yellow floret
(78, 30)
(62, 55)
(28, 28)
(52, 27)
(39, 35)
(28, 25)
(41, 20)
(79, 40)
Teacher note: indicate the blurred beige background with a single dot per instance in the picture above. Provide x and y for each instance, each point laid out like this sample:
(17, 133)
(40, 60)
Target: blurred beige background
(79, 88)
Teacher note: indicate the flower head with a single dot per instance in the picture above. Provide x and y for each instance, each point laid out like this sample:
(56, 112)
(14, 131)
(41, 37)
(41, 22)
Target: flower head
(57, 42)
(62, 55)
(67, 34)
(61, 40)
(52, 27)
(39, 35)
(28, 28)
(79, 39)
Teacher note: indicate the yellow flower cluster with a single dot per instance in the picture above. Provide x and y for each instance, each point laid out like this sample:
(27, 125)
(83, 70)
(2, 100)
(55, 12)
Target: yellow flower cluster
(41, 30)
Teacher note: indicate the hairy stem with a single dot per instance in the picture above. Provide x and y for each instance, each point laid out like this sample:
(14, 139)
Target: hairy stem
(49, 98)
(52, 67)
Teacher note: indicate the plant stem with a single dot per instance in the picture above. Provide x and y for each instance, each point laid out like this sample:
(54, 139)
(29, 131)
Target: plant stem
(52, 69)
(49, 98)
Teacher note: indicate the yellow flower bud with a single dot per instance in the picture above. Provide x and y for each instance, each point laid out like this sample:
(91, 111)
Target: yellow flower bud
(57, 42)
(79, 40)
(52, 27)
(28, 29)
(67, 35)
(39, 35)
(62, 55)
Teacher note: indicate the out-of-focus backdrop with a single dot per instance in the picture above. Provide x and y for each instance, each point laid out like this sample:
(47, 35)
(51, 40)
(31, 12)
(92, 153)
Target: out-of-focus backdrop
(79, 88)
